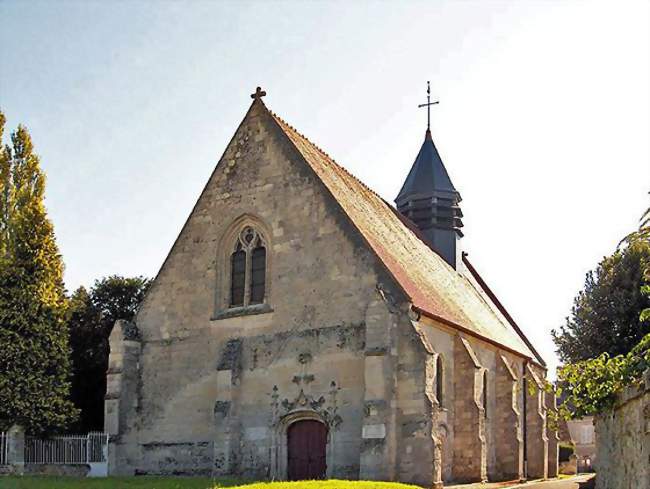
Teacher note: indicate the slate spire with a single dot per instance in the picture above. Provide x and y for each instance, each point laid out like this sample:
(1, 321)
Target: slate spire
(427, 174)
(430, 200)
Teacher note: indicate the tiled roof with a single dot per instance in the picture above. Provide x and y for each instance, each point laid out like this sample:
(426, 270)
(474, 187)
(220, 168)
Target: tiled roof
(434, 288)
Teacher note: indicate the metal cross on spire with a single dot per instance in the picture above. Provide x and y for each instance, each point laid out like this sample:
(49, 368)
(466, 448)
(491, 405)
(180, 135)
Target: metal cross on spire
(259, 93)
(428, 106)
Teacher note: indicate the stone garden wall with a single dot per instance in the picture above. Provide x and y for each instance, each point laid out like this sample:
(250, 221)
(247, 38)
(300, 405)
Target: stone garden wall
(623, 441)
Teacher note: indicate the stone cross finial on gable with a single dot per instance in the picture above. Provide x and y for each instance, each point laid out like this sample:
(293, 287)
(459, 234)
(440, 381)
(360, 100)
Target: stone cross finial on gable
(259, 93)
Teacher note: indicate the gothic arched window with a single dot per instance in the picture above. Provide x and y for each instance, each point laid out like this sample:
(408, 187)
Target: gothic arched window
(248, 269)
(440, 379)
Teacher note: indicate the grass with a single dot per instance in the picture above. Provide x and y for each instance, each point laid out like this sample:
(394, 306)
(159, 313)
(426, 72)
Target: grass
(29, 482)
(327, 484)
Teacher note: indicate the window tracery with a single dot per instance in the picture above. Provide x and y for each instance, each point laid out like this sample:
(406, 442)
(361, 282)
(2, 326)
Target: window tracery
(248, 269)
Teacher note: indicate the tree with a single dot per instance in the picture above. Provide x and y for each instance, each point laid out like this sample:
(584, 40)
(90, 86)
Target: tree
(605, 317)
(91, 318)
(34, 353)
(642, 235)
(85, 340)
(607, 338)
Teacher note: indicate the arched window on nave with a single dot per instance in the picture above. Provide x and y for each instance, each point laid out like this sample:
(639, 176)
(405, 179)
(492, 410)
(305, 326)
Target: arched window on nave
(440, 379)
(485, 393)
(248, 269)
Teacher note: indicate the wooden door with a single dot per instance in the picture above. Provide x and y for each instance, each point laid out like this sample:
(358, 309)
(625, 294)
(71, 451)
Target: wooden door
(306, 441)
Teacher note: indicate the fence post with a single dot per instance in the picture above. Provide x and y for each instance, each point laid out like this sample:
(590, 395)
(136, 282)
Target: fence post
(16, 449)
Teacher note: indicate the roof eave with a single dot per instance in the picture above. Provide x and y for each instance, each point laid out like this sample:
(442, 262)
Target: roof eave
(469, 332)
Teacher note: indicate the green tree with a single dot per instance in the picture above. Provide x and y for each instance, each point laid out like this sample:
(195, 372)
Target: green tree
(642, 235)
(605, 317)
(34, 353)
(91, 319)
(608, 317)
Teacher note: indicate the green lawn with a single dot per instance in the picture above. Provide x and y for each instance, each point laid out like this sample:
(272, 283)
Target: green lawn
(28, 482)
(328, 484)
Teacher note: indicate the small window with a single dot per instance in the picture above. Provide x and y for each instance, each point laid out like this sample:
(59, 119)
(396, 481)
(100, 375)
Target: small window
(440, 379)
(248, 269)
(485, 393)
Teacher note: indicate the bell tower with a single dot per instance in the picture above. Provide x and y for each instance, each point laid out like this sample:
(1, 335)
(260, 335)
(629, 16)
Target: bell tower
(430, 200)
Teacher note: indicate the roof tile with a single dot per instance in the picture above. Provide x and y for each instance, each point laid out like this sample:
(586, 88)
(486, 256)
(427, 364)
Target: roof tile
(431, 284)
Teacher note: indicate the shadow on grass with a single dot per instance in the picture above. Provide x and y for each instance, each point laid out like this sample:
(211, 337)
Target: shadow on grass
(139, 482)
(152, 482)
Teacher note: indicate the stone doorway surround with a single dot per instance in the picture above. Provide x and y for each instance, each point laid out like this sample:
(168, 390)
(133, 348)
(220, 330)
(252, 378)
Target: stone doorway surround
(280, 452)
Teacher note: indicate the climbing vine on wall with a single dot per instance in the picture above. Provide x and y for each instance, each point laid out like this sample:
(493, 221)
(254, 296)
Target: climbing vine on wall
(591, 385)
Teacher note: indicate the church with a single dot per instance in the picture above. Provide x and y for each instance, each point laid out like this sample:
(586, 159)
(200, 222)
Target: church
(301, 327)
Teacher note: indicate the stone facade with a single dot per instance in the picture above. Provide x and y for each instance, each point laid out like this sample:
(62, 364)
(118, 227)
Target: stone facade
(536, 430)
(553, 438)
(623, 441)
(198, 387)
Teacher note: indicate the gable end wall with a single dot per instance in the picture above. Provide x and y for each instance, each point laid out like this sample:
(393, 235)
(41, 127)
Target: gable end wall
(194, 416)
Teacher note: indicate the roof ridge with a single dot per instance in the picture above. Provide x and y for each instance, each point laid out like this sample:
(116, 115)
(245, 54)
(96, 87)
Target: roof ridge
(427, 281)
(324, 153)
(499, 305)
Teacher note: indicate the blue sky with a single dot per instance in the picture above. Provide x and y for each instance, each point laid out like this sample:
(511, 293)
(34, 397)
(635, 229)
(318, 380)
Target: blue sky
(543, 122)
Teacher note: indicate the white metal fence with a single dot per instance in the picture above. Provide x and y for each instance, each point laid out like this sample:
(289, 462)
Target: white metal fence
(69, 449)
(4, 448)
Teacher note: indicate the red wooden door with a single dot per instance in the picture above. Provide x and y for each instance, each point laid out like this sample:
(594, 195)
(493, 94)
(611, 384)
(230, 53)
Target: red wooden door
(306, 442)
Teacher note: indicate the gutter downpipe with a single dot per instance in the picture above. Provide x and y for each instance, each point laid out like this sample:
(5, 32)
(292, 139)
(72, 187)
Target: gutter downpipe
(525, 427)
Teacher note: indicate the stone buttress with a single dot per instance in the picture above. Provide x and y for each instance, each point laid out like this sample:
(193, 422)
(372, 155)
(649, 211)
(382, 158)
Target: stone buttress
(508, 423)
(552, 435)
(536, 439)
(121, 400)
(470, 456)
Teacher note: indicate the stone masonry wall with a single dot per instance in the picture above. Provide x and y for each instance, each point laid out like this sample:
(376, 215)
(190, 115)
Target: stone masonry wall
(419, 457)
(121, 400)
(441, 342)
(470, 464)
(216, 391)
(553, 437)
(378, 431)
(623, 441)
(509, 432)
(465, 363)
(536, 438)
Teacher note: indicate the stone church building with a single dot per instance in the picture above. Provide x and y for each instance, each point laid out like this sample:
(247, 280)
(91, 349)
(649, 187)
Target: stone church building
(303, 327)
